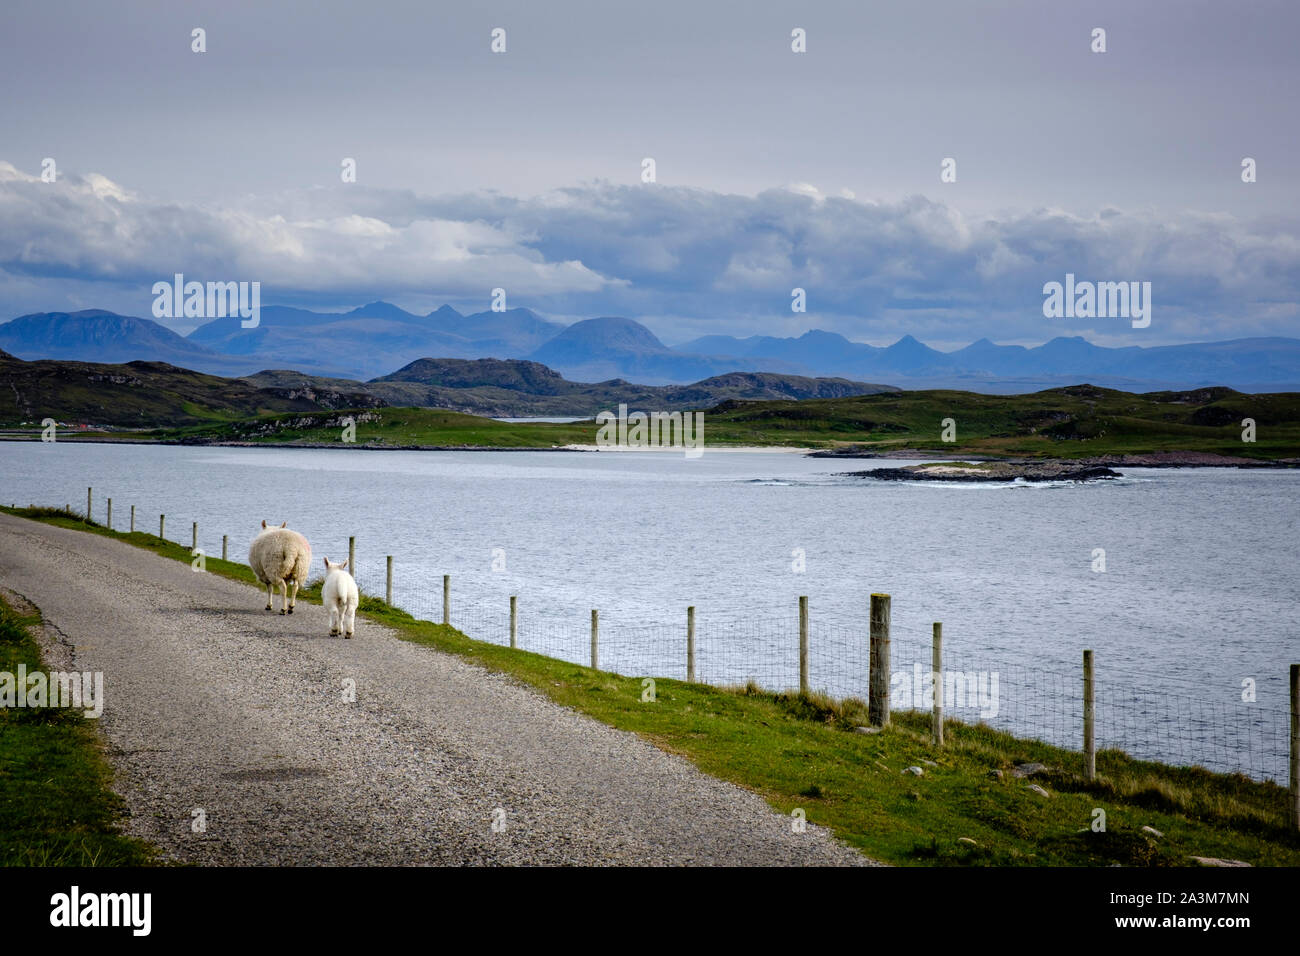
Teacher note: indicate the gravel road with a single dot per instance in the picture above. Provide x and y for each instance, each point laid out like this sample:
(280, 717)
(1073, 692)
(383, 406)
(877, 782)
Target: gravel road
(214, 704)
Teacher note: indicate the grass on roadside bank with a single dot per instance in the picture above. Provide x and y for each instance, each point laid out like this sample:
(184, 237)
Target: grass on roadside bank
(57, 805)
(803, 752)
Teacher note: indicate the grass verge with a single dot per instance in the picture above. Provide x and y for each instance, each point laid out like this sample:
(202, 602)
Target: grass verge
(57, 806)
(804, 752)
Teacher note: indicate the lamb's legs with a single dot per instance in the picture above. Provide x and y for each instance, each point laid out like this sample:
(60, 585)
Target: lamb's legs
(284, 598)
(349, 620)
(334, 621)
(269, 592)
(293, 594)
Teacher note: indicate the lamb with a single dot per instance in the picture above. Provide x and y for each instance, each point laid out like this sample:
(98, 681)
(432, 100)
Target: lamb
(339, 594)
(280, 558)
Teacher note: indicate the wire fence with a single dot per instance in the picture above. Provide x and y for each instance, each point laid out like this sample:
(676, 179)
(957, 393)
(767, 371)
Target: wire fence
(1165, 719)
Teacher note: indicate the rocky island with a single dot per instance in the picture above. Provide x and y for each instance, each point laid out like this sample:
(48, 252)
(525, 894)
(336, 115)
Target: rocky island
(967, 471)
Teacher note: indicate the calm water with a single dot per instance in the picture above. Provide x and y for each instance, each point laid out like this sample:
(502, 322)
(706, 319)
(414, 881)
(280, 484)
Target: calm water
(1198, 592)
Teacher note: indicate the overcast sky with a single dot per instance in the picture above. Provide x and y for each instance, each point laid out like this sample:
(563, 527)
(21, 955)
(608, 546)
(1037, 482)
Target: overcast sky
(774, 169)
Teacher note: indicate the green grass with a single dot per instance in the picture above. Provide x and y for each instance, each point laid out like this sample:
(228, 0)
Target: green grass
(391, 427)
(57, 807)
(802, 751)
(1074, 422)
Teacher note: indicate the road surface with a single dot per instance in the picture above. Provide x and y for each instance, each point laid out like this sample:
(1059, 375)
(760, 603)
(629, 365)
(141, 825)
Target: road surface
(215, 705)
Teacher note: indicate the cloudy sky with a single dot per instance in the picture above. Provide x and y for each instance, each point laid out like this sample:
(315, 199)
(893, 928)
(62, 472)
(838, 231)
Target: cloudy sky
(774, 169)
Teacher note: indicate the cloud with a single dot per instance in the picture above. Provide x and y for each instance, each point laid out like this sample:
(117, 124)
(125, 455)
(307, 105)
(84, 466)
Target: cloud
(684, 260)
(90, 229)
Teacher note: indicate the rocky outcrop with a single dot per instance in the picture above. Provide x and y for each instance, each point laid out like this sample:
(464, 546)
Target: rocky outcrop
(999, 471)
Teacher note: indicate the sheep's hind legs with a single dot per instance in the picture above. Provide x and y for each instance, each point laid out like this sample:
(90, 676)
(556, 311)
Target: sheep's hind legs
(269, 593)
(284, 598)
(293, 595)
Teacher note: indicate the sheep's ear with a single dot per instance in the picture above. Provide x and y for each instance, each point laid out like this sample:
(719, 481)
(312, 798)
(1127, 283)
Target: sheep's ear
(327, 564)
(284, 524)
(342, 567)
(263, 522)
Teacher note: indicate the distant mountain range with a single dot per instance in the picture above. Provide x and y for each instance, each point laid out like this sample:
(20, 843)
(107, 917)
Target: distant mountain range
(374, 339)
(370, 341)
(1257, 364)
(620, 348)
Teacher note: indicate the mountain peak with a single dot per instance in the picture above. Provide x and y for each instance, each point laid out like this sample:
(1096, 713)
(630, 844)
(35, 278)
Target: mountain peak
(380, 310)
(97, 333)
(909, 343)
(514, 374)
(821, 335)
(612, 332)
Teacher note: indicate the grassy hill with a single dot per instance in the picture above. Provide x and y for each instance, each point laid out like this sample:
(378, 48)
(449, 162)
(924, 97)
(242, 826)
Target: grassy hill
(158, 395)
(146, 395)
(513, 388)
(387, 427)
(1075, 422)
(163, 402)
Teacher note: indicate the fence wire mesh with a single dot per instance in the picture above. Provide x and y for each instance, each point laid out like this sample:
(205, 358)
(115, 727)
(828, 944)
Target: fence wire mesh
(1163, 719)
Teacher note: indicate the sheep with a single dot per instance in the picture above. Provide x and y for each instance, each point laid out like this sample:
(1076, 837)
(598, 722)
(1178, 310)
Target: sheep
(280, 558)
(339, 594)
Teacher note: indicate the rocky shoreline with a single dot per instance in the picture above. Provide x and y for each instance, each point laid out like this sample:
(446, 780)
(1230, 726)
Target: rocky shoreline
(362, 446)
(1159, 459)
(999, 471)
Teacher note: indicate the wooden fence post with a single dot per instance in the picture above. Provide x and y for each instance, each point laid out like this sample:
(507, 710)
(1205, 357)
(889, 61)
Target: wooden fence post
(803, 644)
(194, 537)
(110, 514)
(388, 582)
(936, 666)
(878, 673)
(133, 519)
(87, 504)
(224, 542)
(595, 659)
(162, 523)
(446, 599)
(690, 644)
(1295, 746)
(514, 620)
(1089, 718)
(352, 556)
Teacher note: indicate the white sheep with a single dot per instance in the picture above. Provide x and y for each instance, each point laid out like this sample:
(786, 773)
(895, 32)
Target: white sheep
(280, 558)
(339, 594)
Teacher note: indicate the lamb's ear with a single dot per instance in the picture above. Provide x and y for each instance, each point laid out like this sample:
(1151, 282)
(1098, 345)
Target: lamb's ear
(342, 567)
(328, 566)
